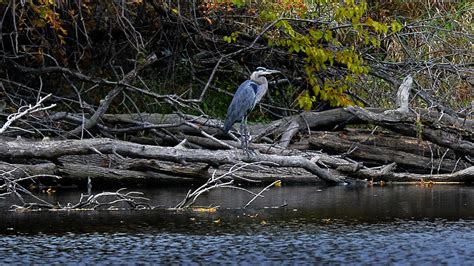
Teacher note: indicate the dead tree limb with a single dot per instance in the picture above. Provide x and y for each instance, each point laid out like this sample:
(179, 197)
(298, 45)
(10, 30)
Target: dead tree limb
(288, 135)
(81, 172)
(25, 110)
(263, 190)
(465, 175)
(427, 128)
(104, 103)
(403, 94)
(214, 182)
(335, 143)
(133, 199)
(388, 175)
(56, 149)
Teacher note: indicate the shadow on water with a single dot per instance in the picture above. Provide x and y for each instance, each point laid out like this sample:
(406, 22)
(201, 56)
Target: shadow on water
(318, 224)
(304, 203)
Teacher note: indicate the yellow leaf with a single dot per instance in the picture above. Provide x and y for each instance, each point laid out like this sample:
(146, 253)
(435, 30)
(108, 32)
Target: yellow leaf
(369, 22)
(396, 27)
(50, 191)
(278, 183)
(203, 209)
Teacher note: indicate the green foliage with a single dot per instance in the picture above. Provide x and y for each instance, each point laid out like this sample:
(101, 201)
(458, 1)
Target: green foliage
(327, 46)
(396, 26)
(232, 38)
(238, 3)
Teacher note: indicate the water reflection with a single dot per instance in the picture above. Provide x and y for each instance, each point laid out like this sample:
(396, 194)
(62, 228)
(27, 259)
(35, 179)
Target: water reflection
(319, 224)
(363, 204)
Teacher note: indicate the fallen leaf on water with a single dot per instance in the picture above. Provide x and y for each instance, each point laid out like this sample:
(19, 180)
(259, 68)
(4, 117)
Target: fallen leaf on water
(263, 222)
(278, 183)
(218, 221)
(205, 209)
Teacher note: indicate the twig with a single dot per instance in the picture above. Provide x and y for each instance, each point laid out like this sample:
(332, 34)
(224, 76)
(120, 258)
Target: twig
(213, 183)
(25, 110)
(207, 135)
(260, 193)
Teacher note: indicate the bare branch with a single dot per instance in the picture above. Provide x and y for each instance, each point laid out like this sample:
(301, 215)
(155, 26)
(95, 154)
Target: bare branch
(25, 110)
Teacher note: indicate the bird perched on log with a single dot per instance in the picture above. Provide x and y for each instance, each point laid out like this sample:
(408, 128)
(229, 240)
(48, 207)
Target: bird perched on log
(249, 93)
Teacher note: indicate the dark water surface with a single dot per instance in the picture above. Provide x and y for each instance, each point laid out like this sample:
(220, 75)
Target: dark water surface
(391, 224)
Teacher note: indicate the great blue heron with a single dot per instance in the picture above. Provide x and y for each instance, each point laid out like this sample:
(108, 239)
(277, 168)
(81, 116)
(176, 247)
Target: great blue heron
(249, 93)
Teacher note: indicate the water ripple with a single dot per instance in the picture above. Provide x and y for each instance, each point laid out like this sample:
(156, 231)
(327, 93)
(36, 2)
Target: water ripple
(396, 242)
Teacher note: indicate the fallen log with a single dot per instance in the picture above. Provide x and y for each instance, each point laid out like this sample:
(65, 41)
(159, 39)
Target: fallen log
(55, 149)
(172, 122)
(392, 141)
(465, 176)
(462, 176)
(72, 172)
(330, 119)
(386, 173)
(338, 143)
(424, 126)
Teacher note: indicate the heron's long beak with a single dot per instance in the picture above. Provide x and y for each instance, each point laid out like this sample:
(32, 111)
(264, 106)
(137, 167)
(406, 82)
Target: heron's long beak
(270, 71)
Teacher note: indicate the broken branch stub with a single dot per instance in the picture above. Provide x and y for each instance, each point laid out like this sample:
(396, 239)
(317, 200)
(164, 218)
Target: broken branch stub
(403, 94)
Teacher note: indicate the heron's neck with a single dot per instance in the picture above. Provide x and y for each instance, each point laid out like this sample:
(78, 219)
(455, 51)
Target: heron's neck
(263, 87)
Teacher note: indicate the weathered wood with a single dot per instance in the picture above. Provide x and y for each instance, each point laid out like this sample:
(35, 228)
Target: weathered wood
(393, 142)
(329, 119)
(289, 133)
(139, 171)
(465, 175)
(56, 149)
(335, 143)
(403, 94)
(335, 118)
(387, 174)
(154, 162)
(81, 172)
(428, 129)
(172, 122)
(194, 171)
(269, 174)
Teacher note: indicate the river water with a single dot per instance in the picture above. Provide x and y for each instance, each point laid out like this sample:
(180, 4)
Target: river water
(318, 224)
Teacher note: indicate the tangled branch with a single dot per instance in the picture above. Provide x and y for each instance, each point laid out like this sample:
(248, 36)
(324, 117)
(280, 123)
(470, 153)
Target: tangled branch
(25, 110)
(215, 182)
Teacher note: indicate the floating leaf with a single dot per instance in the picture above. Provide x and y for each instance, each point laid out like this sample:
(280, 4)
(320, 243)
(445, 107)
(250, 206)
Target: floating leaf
(205, 209)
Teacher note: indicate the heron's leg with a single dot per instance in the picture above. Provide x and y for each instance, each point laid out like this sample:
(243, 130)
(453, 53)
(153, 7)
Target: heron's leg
(242, 134)
(246, 135)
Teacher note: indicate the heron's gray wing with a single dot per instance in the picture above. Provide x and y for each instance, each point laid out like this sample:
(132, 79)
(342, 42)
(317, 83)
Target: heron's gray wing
(242, 103)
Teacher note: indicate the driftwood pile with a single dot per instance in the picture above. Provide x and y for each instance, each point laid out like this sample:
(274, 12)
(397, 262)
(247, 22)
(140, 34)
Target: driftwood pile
(337, 146)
